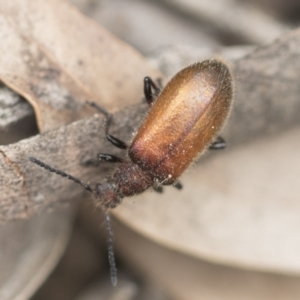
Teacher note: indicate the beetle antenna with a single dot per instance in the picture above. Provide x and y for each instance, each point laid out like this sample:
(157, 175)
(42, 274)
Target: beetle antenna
(110, 247)
(61, 173)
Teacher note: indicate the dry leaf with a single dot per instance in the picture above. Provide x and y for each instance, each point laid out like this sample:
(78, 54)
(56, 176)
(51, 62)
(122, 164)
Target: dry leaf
(30, 250)
(185, 277)
(28, 70)
(57, 59)
(27, 189)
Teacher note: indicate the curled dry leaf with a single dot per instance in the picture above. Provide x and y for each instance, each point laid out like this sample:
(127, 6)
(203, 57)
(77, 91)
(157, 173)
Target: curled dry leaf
(57, 59)
(27, 69)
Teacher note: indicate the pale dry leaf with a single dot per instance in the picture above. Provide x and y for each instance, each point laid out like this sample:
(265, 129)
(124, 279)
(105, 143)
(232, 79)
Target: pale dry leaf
(105, 67)
(186, 277)
(30, 249)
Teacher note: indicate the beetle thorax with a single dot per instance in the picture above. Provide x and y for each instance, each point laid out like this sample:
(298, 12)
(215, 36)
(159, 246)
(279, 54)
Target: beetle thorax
(131, 180)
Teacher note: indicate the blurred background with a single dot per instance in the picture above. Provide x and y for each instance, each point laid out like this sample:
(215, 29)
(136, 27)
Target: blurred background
(248, 250)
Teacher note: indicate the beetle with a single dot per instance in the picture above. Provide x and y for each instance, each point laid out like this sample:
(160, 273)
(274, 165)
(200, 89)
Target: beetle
(183, 121)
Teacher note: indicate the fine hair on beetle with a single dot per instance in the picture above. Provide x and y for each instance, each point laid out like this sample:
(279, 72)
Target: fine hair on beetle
(183, 120)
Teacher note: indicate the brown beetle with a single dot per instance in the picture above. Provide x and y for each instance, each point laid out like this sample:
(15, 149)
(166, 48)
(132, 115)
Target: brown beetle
(181, 123)
(184, 119)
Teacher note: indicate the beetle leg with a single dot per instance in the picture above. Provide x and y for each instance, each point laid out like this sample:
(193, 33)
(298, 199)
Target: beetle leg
(115, 141)
(103, 157)
(158, 188)
(91, 162)
(110, 158)
(178, 185)
(151, 95)
(218, 144)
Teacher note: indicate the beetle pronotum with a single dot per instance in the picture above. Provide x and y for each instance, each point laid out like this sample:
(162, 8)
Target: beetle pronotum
(183, 120)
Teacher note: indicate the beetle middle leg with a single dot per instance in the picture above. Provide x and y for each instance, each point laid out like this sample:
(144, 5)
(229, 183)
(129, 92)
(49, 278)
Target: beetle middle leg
(178, 185)
(110, 158)
(115, 141)
(218, 144)
(158, 187)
